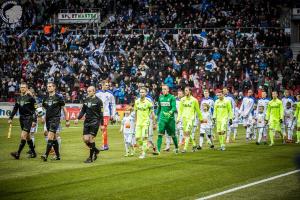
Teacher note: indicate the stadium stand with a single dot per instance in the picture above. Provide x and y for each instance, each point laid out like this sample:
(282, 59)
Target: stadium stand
(203, 44)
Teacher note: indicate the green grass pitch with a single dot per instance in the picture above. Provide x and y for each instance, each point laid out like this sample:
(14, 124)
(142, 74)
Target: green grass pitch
(169, 176)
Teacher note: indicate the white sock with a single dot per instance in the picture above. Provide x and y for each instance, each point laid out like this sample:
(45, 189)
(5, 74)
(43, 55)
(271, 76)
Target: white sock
(248, 132)
(168, 141)
(290, 134)
(201, 139)
(254, 134)
(126, 147)
(260, 132)
(59, 142)
(228, 134)
(234, 132)
(32, 138)
(181, 136)
(133, 140)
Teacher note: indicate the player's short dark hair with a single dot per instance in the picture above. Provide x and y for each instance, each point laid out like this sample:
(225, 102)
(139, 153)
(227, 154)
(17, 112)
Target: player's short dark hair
(188, 87)
(51, 83)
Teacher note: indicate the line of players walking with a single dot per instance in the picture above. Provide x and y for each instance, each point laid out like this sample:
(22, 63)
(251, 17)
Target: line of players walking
(178, 118)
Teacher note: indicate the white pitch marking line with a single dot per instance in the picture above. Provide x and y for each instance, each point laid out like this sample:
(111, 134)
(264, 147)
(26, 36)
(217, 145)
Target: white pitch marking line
(249, 185)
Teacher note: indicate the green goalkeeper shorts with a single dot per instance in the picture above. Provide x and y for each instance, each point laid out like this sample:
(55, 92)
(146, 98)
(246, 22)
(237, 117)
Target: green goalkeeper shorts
(222, 125)
(166, 126)
(275, 125)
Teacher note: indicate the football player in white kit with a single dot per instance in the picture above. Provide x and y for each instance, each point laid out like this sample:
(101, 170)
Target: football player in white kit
(260, 124)
(151, 130)
(127, 128)
(246, 113)
(109, 111)
(179, 130)
(286, 99)
(288, 121)
(230, 98)
(206, 127)
(264, 103)
(235, 124)
(207, 100)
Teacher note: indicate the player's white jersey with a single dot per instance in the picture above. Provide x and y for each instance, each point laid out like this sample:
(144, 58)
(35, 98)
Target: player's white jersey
(109, 103)
(287, 99)
(247, 106)
(288, 117)
(209, 101)
(260, 119)
(263, 102)
(207, 116)
(231, 99)
(128, 124)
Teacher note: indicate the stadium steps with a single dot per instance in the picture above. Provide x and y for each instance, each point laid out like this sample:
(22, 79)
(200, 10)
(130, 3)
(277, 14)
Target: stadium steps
(296, 49)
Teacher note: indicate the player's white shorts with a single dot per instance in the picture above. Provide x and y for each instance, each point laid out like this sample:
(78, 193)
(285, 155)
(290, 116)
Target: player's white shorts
(57, 131)
(235, 124)
(247, 121)
(289, 124)
(128, 138)
(261, 130)
(207, 131)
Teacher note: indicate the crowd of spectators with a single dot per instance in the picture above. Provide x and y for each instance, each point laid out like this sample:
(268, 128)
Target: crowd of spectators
(203, 44)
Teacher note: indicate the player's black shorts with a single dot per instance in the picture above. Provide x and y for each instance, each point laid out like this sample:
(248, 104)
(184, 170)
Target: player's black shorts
(52, 124)
(26, 123)
(91, 128)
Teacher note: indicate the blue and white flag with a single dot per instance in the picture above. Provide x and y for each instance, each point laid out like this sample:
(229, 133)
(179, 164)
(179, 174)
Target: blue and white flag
(32, 46)
(98, 52)
(230, 44)
(168, 48)
(123, 52)
(93, 63)
(211, 65)
(175, 64)
(24, 33)
(53, 68)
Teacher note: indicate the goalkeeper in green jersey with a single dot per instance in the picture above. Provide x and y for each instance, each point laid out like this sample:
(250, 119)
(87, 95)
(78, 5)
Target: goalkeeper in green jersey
(274, 117)
(188, 109)
(222, 115)
(297, 117)
(143, 110)
(165, 113)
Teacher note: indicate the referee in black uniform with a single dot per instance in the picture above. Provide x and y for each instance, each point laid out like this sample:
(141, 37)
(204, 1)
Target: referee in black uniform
(93, 110)
(26, 105)
(53, 103)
